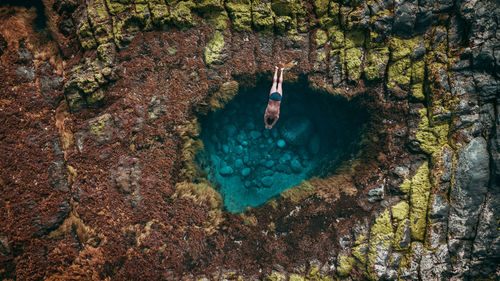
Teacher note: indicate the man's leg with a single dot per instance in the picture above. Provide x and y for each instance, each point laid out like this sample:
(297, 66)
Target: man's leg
(274, 88)
(280, 90)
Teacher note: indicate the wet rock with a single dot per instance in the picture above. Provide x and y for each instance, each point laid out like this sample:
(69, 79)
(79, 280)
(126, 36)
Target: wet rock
(471, 181)
(296, 130)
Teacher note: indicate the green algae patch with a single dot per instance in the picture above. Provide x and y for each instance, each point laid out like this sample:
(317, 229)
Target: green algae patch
(180, 14)
(353, 57)
(214, 49)
(336, 37)
(321, 37)
(381, 237)
(399, 73)
(400, 214)
(299, 192)
(431, 138)
(359, 251)
(262, 15)
(345, 264)
(419, 198)
(376, 63)
(401, 48)
(241, 14)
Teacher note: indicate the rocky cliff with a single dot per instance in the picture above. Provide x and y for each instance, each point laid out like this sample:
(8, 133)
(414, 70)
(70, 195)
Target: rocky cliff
(99, 130)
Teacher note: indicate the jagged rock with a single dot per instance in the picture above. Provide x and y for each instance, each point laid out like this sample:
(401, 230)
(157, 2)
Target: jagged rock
(471, 181)
(376, 194)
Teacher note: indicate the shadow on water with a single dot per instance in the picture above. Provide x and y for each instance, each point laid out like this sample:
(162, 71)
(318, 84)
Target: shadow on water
(249, 165)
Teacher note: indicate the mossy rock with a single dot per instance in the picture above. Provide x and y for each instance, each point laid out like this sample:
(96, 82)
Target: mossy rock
(214, 49)
(262, 15)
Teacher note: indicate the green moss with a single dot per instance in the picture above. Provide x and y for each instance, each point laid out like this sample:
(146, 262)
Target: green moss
(95, 97)
(321, 56)
(298, 192)
(85, 36)
(314, 275)
(400, 214)
(398, 73)
(276, 276)
(159, 12)
(419, 198)
(354, 38)
(320, 37)
(417, 91)
(321, 7)
(116, 7)
(401, 48)
(400, 211)
(376, 62)
(218, 20)
(381, 236)
(240, 13)
(296, 277)
(405, 186)
(97, 127)
(283, 23)
(353, 58)
(214, 49)
(262, 15)
(210, 6)
(180, 14)
(336, 37)
(431, 139)
(360, 248)
(287, 7)
(345, 264)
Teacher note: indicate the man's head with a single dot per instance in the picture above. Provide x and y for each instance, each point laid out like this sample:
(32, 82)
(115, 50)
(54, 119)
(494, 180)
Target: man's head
(272, 114)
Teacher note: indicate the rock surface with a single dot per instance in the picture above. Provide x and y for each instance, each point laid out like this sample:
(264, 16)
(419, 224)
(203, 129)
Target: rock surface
(99, 134)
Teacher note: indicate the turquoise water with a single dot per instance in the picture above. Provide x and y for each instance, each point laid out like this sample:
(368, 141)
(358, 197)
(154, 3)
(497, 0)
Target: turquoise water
(249, 164)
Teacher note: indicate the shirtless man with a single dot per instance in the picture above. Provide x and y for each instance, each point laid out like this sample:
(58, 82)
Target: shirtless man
(273, 105)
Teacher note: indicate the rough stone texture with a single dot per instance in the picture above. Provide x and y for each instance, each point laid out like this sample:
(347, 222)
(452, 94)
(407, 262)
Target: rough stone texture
(98, 136)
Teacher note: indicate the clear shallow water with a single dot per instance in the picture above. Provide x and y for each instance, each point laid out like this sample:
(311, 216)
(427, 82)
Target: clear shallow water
(249, 164)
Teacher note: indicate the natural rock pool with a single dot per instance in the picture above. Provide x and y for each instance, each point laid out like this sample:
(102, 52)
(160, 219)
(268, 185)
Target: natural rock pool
(249, 164)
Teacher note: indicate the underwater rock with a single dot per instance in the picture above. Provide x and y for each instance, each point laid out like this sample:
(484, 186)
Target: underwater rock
(238, 163)
(281, 143)
(267, 181)
(255, 134)
(226, 171)
(245, 172)
(296, 130)
(295, 165)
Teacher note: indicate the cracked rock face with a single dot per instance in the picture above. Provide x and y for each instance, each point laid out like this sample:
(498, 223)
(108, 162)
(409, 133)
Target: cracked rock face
(100, 131)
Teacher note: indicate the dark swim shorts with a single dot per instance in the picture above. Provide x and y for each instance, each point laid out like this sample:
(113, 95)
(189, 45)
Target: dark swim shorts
(275, 96)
